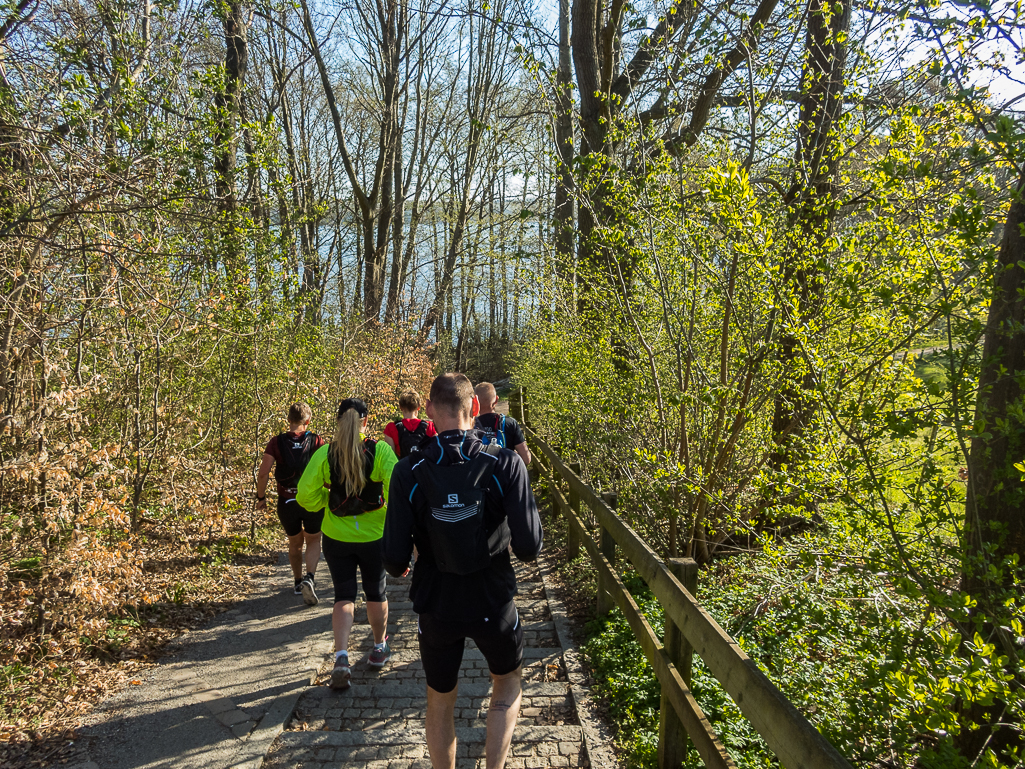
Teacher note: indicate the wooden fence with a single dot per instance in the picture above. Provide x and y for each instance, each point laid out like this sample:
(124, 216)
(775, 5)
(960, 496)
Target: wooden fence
(688, 629)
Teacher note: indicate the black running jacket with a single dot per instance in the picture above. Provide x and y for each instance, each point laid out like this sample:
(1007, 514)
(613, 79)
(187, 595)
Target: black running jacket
(507, 495)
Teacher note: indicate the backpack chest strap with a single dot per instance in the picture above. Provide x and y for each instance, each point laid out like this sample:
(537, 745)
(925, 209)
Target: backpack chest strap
(429, 474)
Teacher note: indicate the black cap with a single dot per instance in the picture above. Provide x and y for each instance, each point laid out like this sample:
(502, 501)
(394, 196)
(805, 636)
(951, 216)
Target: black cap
(352, 403)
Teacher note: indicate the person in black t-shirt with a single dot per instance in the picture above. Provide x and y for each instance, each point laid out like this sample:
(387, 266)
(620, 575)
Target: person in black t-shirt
(489, 423)
(453, 603)
(290, 452)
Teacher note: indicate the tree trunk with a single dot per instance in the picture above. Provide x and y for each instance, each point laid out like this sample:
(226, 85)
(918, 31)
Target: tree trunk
(228, 101)
(564, 145)
(373, 206)
(357, 294)
(397, 278)
(487, 52)
(812, 207)
(995, 504)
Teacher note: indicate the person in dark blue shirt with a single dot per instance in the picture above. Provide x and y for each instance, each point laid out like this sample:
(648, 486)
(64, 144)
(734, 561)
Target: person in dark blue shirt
(453, 499)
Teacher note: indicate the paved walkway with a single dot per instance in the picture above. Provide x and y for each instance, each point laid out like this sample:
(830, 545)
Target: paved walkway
(249, 691)
(379, 722)
(224, 693)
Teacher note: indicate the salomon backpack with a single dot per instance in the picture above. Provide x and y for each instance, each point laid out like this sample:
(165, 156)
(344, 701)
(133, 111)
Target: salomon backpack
(456, 522)
(493, 434)
(371, 498)
(294, 454)
(409, 440)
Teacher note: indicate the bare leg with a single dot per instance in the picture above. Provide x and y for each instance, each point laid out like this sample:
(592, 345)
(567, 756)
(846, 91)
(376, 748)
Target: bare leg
(377, 616)
(295, 555)
(312, 552)
(341, 624)
(441, 728)
(506, 695)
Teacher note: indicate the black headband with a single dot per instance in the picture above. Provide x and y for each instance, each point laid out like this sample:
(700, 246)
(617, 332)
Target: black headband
(352, 403)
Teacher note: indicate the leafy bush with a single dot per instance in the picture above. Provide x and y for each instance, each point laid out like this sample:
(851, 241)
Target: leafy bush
(838, 642)
(108, 508)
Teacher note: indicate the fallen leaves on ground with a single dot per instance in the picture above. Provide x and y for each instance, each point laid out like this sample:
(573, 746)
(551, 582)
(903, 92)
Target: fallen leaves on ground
(59, 656)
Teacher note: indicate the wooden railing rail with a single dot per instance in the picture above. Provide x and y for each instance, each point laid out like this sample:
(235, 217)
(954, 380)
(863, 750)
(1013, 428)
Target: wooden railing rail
(794, 740)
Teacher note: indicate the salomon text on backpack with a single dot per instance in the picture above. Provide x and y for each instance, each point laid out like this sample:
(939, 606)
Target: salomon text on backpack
(409, 440)
(456, 522)
(342, 504)
(493, 434)
(295, 454)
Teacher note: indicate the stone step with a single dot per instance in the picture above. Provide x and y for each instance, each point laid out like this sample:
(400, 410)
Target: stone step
(409, 619)
(531, 609)
(533, 746)
(524, 602)
(542, 665)
(402, 636)
(407, 623)
(399, 640)
(542, 669)
(378, 690)
(528, 589)
(473, 735)
(470, 653)
(382, 705)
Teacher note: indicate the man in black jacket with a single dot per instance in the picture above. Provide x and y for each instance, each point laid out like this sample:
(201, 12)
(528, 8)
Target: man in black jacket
(463, 506)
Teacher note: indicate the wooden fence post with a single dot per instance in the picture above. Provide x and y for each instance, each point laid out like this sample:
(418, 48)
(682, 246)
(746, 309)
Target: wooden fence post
(672, 737)
(573, 537)
(608, 549)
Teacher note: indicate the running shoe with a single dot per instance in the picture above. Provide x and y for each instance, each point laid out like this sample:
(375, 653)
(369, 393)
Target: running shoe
(379, 655)
(298, 587)
(308, 591)
(341, 676)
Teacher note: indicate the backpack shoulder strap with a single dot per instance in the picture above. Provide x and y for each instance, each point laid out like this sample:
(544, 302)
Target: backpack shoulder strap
(423, 475)
(482, 463)
(369, 455)
(285, 456)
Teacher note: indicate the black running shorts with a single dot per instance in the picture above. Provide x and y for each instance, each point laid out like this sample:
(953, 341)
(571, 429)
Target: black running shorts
(295, 519)
(343, 558)
(499, 638)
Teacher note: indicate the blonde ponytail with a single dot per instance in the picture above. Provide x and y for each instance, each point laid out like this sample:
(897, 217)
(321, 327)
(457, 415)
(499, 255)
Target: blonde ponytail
(347, 451)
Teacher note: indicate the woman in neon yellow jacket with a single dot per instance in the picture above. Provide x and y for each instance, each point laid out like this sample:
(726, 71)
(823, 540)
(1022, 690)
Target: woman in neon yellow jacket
(348, 479)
